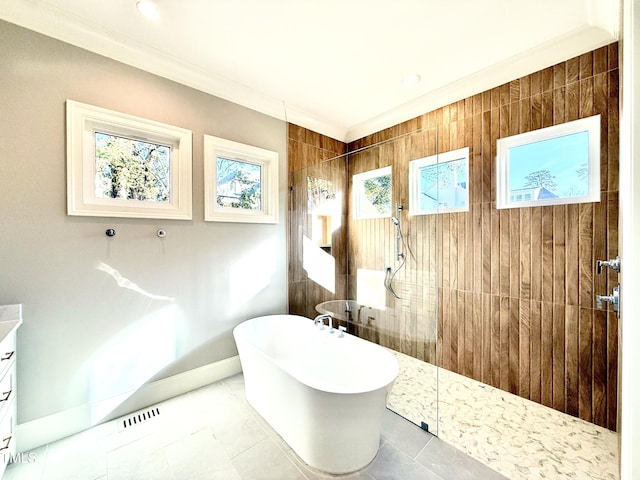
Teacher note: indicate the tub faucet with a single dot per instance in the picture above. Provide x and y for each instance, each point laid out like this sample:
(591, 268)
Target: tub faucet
(319, 320)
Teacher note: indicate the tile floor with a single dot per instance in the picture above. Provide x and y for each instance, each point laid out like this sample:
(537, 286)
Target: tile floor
(213, 433)
(519, 438)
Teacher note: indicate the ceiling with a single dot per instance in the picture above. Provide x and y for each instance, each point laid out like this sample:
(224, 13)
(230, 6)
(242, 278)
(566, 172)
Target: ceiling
(334, 66)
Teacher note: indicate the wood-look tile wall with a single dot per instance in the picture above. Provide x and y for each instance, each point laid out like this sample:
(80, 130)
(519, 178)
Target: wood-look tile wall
(511, 291)
(313, 155)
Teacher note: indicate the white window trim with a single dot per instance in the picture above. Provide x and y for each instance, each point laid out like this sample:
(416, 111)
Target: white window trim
(83, 121)
(358, 182)
(215, 147)
(414, 180)
(590, 124)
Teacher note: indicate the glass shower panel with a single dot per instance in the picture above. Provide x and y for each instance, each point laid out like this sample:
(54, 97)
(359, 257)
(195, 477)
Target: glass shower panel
(359, 251)
(318, 237)
(393, 270)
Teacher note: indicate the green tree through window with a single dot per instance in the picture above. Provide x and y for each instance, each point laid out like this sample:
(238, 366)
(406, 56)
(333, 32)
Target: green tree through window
(377, 191)
(238, 184)
(132, 169)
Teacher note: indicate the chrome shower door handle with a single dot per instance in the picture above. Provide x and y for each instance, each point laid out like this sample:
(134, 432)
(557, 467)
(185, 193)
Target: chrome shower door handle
(613, 299)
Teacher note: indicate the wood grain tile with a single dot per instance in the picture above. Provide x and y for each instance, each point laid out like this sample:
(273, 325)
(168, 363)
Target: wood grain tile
(586, 97)
(486, 247)
(536, 253)
(571, 336)
(477, 337)
(547, 254)
(559, 357)
(547, 79)
(546, 355)
(559, 75)
(505, 314)
(612, 371)
(586, 65)
(573, 70)
(547, 108)
(504, 256)
(514, 260)
(572, 254)
(524, 348)
(585, 368)
(600, 60)
(494, 376)
(535, 349)
(559, 256)
(502, 296)
(599, 360)
(487, 332)
(559, 106)
(585, 255)
(572, 101)
(495, 251)
(476, 233)
(459, 334)
(488, 170)
(469, 334)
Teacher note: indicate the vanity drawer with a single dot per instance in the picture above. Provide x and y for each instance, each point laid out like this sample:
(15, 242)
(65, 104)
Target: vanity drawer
(7, 435)
(7, 352)
(7, 391)
(10, 320)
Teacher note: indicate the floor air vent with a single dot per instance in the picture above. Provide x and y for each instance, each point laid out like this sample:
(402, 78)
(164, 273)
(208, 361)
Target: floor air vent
(138, 418)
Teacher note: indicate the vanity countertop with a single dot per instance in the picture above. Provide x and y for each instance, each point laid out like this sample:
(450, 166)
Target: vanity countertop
(10, 319)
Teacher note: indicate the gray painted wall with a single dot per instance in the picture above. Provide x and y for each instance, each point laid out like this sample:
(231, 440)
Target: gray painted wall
(84, 338)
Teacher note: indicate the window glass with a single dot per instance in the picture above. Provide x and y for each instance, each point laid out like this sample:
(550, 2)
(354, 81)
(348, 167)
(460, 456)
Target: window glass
(238, 184)
(439, 183)
(132, 169)
(372, 193)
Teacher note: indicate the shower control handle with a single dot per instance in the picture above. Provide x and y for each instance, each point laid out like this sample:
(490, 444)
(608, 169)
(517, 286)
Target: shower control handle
(613, 264)
(613, 299)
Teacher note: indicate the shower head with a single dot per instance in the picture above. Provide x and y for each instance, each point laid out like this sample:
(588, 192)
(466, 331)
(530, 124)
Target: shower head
(395, 220)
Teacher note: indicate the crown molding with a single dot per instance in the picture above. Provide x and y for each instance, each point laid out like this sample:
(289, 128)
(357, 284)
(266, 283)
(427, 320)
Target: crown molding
(602, 29)
(54, 22)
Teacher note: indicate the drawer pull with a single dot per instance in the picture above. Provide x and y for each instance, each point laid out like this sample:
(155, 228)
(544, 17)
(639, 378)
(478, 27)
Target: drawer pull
(7, 442)
(6, 396)
(7, 356)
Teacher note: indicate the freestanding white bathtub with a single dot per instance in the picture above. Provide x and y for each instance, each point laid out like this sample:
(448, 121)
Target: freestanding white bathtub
(324, 394)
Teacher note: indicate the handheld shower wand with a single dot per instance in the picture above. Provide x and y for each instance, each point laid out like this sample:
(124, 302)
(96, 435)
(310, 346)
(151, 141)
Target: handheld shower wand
(396, 222)
(399, 254)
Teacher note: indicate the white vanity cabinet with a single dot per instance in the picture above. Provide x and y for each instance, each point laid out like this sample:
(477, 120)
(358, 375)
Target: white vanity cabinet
(10, 320)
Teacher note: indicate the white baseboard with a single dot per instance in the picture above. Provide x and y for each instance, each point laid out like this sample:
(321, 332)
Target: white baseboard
(38, 432)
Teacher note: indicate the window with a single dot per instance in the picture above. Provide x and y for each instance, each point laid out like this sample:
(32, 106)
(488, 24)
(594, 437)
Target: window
(241, 182)
(119, 165)
(550, 166)
(439, 183)
(372, 193)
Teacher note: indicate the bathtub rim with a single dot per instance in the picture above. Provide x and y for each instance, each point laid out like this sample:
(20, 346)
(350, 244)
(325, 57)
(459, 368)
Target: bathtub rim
(387, 384)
